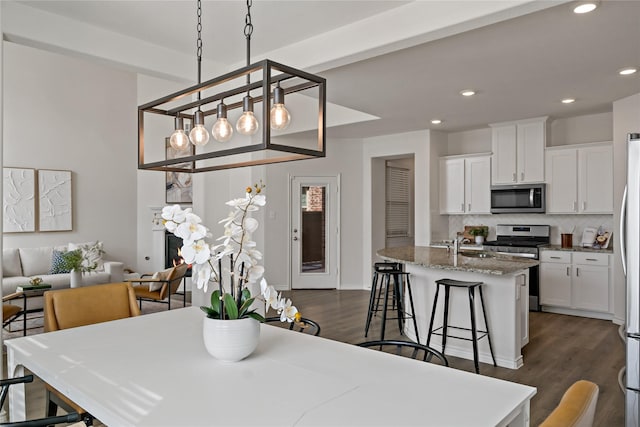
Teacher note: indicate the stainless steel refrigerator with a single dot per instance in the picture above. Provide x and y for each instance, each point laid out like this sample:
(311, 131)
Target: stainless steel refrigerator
(630, 252)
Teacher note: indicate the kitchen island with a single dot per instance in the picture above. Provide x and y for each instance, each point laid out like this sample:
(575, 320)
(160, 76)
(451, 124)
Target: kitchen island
(506, 295)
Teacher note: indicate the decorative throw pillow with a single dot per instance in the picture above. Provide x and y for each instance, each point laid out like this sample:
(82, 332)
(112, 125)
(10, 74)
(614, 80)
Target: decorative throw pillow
(92, 253)
(160, 275)
(57, 263)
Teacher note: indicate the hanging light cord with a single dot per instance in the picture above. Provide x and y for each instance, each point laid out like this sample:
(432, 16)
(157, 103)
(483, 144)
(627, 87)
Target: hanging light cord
(199, 44)
(248, 30)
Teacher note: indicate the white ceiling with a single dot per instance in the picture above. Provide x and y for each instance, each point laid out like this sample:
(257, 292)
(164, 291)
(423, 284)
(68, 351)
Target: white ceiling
(521, 67)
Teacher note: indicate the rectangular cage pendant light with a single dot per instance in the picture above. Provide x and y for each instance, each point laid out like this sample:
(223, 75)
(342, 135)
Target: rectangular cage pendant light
(304, 97)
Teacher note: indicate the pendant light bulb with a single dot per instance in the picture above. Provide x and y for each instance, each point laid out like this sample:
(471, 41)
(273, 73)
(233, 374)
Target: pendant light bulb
(179, 139)
(199, 135)
(222, 130)
(247, 123)
(280, 117)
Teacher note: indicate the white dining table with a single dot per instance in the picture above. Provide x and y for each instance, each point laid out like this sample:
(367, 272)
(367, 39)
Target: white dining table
(153, 370)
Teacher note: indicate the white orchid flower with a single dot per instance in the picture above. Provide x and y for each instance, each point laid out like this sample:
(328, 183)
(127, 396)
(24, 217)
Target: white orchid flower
(259, 200)
(286, 310)
(202, 275)
(238, 203)
(255, 273)
(269, 294)
(198, 252)
(170, 226)
(191, 230)
(233, 215)
(174, 213)
(250, 225)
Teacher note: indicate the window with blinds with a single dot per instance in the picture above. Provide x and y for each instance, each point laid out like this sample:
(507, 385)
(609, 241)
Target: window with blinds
(397, 202)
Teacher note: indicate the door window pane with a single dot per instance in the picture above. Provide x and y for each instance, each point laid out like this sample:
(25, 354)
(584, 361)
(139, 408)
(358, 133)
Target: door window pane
(313, 214)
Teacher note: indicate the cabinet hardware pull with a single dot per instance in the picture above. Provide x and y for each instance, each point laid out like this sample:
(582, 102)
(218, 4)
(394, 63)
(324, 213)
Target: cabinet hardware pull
(555, 257)
(591, 259)
(575, 206)
(568, 273)
(515, 177)
(584, 206)
(521, 176)
(577, 272)
(469, 206)
(462, 207)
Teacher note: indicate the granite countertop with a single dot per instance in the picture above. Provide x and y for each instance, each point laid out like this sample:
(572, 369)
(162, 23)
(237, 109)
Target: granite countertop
(442, 259)
(575, 249)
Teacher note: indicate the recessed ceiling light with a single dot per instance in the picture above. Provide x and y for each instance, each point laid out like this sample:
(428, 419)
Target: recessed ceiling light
(568, 101)
(585, 6)
(627, 71)
(436, 121)
(467, 92)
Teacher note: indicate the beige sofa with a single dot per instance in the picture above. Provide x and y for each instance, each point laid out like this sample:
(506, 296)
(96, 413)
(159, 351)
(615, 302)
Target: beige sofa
(20, 265)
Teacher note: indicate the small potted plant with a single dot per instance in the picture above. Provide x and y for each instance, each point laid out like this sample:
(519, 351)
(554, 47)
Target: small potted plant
(77, 264)
(480, 233)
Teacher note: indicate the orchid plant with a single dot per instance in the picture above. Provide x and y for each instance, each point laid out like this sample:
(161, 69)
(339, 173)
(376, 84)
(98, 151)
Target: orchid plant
(233, 264)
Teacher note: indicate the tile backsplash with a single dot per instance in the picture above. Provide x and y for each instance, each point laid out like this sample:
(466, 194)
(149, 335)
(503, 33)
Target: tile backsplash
(559, 224)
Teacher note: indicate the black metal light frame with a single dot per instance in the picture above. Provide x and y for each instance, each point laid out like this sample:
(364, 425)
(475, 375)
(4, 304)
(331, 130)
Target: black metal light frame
(208, 105)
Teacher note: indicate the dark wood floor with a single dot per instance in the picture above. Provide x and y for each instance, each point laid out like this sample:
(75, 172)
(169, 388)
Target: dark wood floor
(562, 350)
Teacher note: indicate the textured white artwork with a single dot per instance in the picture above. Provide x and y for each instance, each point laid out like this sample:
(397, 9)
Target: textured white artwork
(18, 200)
(55, 200)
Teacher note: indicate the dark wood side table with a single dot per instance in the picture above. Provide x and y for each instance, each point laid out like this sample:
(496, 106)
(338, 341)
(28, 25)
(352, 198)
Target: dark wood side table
(25, 295)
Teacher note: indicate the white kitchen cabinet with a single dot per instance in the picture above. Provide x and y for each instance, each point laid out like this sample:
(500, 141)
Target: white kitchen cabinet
(465, 184)
(518, 151)
(580, 179)
(578, 281)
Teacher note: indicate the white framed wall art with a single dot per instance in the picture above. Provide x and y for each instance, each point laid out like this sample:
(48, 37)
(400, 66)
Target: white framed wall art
(54, 197)
(18, 200)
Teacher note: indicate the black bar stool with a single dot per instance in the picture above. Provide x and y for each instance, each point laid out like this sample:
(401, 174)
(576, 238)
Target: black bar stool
(471, 286)
(383, 273)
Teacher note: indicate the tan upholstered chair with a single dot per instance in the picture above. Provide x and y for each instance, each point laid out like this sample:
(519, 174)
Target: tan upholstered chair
(576, 408)
(74, 307)
(161, 286)
(10, 312)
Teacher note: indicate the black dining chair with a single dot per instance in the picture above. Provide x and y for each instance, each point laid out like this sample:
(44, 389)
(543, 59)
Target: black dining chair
(407, 349)
(40, 422)
(304, 325)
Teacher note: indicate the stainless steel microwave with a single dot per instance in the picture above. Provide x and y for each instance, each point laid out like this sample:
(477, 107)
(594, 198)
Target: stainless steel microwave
(521, 198)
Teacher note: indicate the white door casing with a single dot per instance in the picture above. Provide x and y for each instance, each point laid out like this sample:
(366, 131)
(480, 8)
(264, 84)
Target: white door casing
(318, 267)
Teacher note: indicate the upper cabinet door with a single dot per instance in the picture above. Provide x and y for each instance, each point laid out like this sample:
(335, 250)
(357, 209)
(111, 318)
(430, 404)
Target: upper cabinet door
(503, 144)
(518, 151)
(530, 152)
(452, 186)
(477, 184)
(595, 178)
(562, 186)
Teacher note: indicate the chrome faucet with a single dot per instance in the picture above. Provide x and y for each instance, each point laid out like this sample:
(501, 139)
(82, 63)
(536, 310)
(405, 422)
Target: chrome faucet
(456, 243)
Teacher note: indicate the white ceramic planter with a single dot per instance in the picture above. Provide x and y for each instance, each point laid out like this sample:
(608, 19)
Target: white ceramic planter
(75, 279)
(230, 340)
(479, 240)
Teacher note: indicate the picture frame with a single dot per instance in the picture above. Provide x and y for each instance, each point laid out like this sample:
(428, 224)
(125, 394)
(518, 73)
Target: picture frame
(179, 185)
(18, 200)
(55, 209)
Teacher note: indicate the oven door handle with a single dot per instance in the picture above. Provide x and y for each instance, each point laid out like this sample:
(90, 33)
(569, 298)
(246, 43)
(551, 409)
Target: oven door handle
(517, 254)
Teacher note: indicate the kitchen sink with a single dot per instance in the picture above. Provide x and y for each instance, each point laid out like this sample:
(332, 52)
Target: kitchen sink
(477, 254)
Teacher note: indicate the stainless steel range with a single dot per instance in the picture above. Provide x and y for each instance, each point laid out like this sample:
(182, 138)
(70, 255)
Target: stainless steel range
(522, 241)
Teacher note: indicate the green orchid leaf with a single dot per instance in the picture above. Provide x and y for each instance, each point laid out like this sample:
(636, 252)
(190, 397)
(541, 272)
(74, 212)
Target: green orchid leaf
(215, 301)
(256, 316)
(245, 307)
(230, 307)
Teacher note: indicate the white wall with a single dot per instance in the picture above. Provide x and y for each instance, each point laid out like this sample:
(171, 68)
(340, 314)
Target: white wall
(344, 158)
(626, 119)
(70, 114)
(469, 142)
(375, 152)
(581, 129)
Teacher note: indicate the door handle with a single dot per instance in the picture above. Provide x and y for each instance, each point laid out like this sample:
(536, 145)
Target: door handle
(623, 231)
(531, 193)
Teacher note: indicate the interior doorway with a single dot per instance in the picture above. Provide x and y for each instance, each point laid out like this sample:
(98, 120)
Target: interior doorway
(315, 232)
(399, 202)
